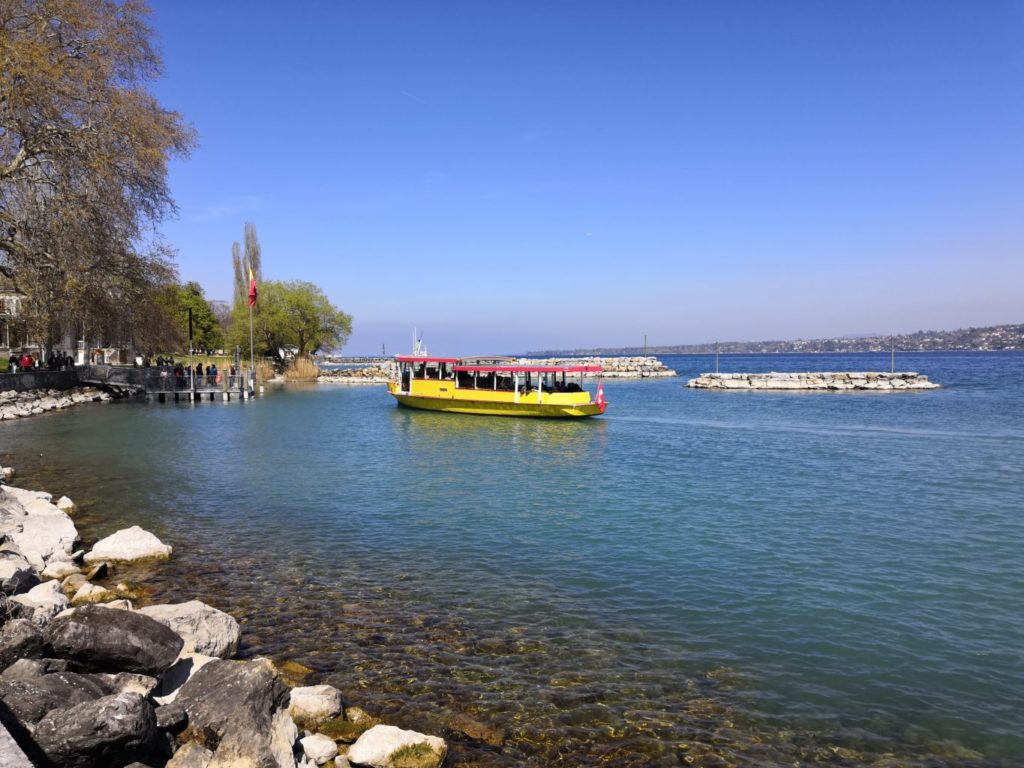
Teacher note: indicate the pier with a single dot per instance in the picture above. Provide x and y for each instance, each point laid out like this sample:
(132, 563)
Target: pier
(162, 384)
(875, 381)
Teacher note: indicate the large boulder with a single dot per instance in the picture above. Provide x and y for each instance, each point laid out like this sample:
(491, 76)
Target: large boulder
(204, 629)
(239, 710)
(99, 639)
(30, 699)
(19, 639)
(314, 704)
(385, 746)
(113, 730)
(129, 545)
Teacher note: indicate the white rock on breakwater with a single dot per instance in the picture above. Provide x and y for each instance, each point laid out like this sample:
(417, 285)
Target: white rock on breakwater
(382, 373)
(615, 367)
(831, 381)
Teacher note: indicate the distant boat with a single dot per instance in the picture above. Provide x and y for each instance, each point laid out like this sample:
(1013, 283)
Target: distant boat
(495, 386)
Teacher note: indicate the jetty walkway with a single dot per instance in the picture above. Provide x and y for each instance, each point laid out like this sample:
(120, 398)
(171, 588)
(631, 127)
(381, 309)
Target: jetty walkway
(161, 383)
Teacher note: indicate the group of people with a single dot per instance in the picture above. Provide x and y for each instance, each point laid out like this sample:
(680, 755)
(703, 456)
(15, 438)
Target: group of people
(55, 361)
(210, 373)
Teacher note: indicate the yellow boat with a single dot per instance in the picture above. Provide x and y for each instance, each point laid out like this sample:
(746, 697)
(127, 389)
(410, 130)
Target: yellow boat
(495, 386)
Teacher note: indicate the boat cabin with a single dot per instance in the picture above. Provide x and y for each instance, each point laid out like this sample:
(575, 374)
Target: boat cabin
(496, 374)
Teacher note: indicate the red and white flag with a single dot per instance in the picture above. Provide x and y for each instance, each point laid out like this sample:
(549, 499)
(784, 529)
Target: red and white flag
(252, 288)
(599, 400)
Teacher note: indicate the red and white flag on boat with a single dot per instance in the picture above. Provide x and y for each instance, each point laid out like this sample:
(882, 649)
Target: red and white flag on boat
(599, 400)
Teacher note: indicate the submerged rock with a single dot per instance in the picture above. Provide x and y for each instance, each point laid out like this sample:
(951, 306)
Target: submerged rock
(128, 545)
(102, 639)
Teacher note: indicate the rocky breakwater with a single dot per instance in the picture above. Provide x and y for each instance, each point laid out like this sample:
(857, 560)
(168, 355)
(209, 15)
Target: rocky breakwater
(373, 374)
(87, 680)
(16, 405)
(829, 381)
(615, 367)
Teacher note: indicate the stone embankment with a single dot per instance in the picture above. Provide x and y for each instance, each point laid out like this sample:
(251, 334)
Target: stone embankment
(380, 373)
(614, 368)
(16, 405)
(830, 381)
(92, 681)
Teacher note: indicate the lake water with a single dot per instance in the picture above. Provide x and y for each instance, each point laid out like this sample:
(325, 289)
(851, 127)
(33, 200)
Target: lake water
(698, 578)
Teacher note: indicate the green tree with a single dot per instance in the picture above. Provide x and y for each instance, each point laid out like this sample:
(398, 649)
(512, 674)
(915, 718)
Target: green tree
(206, 331)
(293, 314)
(84, 148)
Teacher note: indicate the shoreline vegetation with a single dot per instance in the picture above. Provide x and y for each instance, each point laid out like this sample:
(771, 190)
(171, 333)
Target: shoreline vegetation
(92, 676)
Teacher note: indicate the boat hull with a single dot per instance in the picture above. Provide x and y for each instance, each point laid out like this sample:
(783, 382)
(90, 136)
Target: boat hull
(492, 408)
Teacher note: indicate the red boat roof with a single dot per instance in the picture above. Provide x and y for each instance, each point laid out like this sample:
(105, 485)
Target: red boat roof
(530, 368)
(419, 359)
(502, 368)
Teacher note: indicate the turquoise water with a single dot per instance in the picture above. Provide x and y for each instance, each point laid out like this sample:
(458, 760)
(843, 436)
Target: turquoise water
(703, 578)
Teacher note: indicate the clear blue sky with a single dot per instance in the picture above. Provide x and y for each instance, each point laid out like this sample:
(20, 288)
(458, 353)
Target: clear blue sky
(509, 176)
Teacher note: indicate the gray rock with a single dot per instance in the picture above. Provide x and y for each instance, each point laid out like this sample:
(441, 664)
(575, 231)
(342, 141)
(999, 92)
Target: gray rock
(171, 717)
(30, 700)
(30, 669)
(46, 600)
(314, 703)
(113, 730)
(59, 569)
(102, 639)
(239, 709)
(20, 581)
(129, 682)
(10, 610)
(19, 639)
(204, 629)
(319, 748)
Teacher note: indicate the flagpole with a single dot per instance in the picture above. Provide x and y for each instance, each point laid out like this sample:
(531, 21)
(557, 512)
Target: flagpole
(252, 353)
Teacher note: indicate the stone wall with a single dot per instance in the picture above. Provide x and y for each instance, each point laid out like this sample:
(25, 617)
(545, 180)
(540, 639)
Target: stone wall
(832, 381)
(32, 380)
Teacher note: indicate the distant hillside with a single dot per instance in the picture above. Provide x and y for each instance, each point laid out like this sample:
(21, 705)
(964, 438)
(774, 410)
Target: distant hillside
(994, 338)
